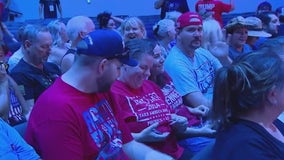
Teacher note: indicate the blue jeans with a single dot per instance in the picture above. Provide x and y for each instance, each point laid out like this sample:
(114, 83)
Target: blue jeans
(195, 144)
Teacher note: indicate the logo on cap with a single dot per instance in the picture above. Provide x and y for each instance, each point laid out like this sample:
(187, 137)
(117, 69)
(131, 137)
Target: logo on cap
(194, 19)
(189, 18)
(90, 40)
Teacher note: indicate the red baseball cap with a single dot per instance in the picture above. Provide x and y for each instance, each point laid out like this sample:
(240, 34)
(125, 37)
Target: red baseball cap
(189, 18)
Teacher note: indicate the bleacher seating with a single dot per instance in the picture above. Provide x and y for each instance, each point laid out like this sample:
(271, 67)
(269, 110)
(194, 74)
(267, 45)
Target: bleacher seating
(149, 21)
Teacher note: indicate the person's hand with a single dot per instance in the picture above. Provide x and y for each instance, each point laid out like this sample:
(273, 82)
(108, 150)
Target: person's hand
(220, 49)
(178, 123)
(199, 110)
(207, 130)
(150, 134)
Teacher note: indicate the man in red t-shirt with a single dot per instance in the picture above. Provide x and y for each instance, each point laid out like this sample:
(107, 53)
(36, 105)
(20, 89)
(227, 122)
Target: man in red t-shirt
(75, 119)
(214, 8)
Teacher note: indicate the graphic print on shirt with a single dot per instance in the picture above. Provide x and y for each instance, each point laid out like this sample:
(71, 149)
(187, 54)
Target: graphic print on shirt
(172, 6)
(103, 128)
(204, 75)
(149, 108)
(173, 98)
(16, 111)
(207, 7)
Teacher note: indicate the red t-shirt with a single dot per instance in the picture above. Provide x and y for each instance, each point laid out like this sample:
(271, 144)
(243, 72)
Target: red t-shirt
(66, 123)
(216, 8)
(174, 99)
(1, 10)
(144, 106)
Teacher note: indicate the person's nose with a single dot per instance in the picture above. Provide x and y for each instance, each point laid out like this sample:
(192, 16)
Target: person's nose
(131, 31)
(147, 73)
(118, 73)
(162, 59)
(197, 33)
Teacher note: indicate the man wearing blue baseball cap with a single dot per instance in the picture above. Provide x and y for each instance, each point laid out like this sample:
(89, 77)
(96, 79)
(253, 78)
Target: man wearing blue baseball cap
(75, 119)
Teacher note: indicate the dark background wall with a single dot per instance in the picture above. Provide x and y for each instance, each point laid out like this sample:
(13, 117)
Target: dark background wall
(29, 8)
(142, 8)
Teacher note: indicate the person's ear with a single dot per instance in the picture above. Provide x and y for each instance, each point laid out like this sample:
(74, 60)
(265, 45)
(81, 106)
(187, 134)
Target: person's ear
(124, 67)
(272, 96)
(178, 30)
(102, 66)
(264, 26)
(144, 33)
(82, 34)
(168, 33)
(27, 44)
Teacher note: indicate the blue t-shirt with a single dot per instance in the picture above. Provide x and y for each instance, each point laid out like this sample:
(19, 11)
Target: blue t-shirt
(13, 146)
(192, 75)
(259, 42)
(233, 53)
(246, 140)
(33, 81)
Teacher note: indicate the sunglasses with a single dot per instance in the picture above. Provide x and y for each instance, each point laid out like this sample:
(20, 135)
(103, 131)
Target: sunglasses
(5, 64)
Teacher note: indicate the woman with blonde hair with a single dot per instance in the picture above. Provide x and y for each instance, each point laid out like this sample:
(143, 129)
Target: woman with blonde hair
(214, 41)
(133, 27)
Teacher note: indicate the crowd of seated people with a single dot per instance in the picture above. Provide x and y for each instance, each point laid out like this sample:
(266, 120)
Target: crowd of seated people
(74, 91)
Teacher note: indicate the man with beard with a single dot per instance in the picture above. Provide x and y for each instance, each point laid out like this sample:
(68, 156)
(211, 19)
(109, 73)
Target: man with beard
(75, 119)
(271, 24)
(191, 67)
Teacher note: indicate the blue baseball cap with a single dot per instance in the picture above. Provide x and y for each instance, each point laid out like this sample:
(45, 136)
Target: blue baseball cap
(105, 43)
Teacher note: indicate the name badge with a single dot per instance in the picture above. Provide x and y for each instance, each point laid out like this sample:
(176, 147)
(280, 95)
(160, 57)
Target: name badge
(51, 8)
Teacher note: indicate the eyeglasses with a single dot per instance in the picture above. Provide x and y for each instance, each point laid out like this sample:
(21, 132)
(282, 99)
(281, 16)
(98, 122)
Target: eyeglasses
(5, 64)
